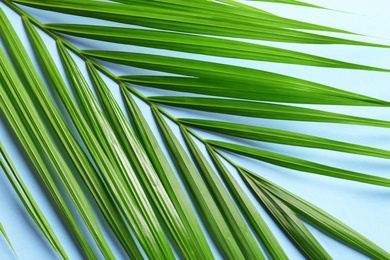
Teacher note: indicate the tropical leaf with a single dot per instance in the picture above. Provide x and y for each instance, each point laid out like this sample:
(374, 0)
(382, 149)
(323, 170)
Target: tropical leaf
(318, 217)
(198, 44)
(29, 202)
(2, 231)
(292, 2)
(165, 190)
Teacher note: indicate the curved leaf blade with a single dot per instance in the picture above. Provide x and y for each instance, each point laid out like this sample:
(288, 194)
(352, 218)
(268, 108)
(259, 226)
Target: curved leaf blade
(300, 164)
(29, 202)
(197, 44)
(234, 219)
(267, 86)
(199, 190)
(319, 218)
(264, 134)
(290, 224)
(264, 110)
(253, 216)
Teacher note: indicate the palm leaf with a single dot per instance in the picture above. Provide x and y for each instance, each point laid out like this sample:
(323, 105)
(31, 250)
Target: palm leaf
(299, 164)
(132, 199)
(2, 231)
(318, 217)
(160, 193)
(198, 44)
(290, 223)
(29, 202)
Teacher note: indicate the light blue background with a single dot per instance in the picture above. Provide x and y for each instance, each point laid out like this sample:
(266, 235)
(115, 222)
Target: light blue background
(363, 207)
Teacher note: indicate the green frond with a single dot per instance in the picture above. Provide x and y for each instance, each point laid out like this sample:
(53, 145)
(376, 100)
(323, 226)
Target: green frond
(126, 164)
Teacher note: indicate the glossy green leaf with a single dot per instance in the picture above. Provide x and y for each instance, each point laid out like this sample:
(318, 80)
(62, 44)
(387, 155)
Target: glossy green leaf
(2, 231)
(268, 88)
(210, 211)
(264, 110)
(282, 137)
(27, 125)
(166, 174)
(197, 21)
(291, 2)
(254, 84)
(239, 228)
(300, 164)
(291, 224)
(75, 152)
(141, 163)
(124, 191)
(320, 218)
(110, 145)
(252, 215)
(226, 10)
(197, 44)
(29, 202)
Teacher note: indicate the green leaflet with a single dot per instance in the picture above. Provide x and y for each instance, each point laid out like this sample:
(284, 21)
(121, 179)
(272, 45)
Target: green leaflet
(282, 137)
(252, 215)
(100, 129)
(223, 80)
(27, 125)
(142, 165)
(127, 191)
(264, 110)
(291, 2)
(75, 152)
(234, 219)
(197, 44)
(2, 231)
(319, 218)
(204, 199)
(268, 88)
(290, 224)
(29, 202)
(82, 205)
(144, 225)
(222, 10)
(300, 164)
(166, 174)
(100, 125)
(59, 164)
(144, 14)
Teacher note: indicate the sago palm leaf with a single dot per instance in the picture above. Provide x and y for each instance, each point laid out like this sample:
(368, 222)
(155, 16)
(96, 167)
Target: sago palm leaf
(170, 186)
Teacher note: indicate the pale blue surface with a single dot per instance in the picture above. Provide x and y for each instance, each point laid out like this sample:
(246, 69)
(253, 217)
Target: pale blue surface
(363, 207)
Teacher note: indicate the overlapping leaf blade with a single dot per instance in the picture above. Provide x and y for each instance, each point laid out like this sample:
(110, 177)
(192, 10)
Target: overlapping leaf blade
(264, 110)
(246, 205)
(75, 152)
(291, 224)
(107, 144)
(282, 137)
(197, 21)
(242, 9)
(220, 79)
(128, 194)
(240, 230)
(29, 202)
(198, 45)
(300, 164)
(166, 173)
(210, 211)
(27, 125)
(319, 218)
(130, 149)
